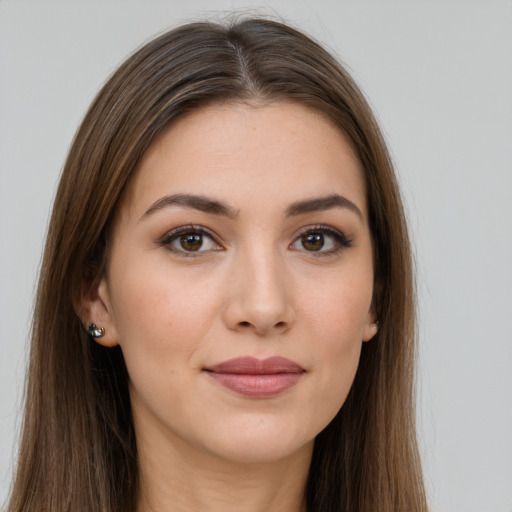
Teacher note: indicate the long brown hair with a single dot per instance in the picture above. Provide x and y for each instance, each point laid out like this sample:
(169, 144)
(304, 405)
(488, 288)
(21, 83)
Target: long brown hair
(78, 449)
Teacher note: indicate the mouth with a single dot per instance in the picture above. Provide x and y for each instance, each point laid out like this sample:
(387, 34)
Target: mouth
(257, 378)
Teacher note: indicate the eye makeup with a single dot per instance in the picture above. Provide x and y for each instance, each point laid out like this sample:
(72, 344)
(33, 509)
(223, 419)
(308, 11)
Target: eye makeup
(192, 241)
(321, 240)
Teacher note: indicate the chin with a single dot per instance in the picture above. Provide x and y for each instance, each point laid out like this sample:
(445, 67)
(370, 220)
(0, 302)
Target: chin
(256, 453)
(260, 442)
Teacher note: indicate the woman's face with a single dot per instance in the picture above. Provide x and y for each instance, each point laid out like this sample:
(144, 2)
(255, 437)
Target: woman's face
(239, 282)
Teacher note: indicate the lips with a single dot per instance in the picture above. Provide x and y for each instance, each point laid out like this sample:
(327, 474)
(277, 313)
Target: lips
(257, 378)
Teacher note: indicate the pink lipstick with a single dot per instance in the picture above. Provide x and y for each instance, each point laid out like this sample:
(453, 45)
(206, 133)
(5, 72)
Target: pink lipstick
(257, 378)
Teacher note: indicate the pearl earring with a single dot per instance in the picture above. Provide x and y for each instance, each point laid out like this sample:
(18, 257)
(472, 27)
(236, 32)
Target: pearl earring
(95, 332)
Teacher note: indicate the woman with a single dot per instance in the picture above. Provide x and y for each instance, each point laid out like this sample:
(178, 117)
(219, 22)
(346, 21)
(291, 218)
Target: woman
(225, 314)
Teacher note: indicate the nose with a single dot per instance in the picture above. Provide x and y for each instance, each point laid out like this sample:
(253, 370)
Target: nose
(259, 296)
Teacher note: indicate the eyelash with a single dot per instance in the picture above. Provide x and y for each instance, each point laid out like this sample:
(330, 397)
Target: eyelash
(175, 234)
(339, 239)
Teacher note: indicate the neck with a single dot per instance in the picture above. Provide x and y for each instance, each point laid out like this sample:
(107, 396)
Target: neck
(181, 479)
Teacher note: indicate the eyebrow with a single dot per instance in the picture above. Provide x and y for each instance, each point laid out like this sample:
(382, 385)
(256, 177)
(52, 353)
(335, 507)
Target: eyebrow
(201, 203)
(321, 204)
(208, 205)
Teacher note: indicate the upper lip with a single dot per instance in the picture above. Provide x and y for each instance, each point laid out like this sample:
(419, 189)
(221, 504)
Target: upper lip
(254, 366)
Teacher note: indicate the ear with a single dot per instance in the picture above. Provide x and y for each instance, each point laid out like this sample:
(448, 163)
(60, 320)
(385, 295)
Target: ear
(94, 307)
(371, 326)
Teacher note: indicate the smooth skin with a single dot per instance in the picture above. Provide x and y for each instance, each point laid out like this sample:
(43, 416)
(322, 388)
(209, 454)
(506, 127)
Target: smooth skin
(244, 232)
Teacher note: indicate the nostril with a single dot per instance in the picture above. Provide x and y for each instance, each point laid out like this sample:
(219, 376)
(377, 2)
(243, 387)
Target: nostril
(280, 324)
(245, 324)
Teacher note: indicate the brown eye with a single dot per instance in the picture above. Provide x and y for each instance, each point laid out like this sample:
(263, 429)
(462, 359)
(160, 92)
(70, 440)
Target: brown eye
(191, 241)
(313, 241)
(321, 239)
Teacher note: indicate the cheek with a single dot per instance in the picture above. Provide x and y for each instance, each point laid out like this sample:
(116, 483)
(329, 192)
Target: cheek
(162, 321)
(338, 316)
(338, 310)
(160, 317)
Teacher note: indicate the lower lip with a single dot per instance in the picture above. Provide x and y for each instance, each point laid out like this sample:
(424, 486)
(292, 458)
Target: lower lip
(257, 385)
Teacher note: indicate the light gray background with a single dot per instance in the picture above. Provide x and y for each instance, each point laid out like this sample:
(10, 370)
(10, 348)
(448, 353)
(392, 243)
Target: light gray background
(439, 75)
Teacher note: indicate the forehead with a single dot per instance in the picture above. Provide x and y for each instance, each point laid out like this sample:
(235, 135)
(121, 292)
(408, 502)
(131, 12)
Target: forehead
(244, 154)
